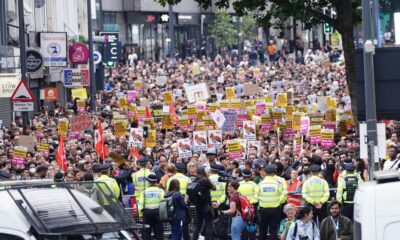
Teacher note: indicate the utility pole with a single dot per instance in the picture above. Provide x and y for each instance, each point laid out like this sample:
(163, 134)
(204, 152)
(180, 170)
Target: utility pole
(238, 38)
(369, 79)
(22, 48)
(171, 24)
(91, 64)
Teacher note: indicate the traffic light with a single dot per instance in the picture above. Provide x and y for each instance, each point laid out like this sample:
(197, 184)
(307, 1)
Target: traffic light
(110, 64)
(327, 28)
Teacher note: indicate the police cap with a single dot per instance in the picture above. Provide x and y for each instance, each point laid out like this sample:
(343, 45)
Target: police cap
(59, 177)
(270, 168)
(5, 175)
(143, 159)
(349, 167)
(214, 167)
(246, 173)
(180, 166)
(105, 166)
(151, 178)
(315, 168)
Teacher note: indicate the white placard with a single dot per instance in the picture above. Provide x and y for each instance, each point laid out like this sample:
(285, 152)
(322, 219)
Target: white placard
(198, 92)
(381, 140)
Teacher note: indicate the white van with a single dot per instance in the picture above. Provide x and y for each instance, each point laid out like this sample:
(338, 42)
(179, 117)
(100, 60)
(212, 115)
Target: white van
(36, 210)
(377, 208)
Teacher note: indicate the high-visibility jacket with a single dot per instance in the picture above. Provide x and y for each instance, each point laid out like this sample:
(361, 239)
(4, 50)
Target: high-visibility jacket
(109, 187)
(294, 187)
(270, 193)
(249, 189)
(139, 180)
(150, 198)
(183, 182)
(283, 182)
(219, 194)
(341, 193)
(315, 190)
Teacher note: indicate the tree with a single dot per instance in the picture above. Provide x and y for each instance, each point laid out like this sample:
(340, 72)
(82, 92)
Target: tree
(310, 12)
(248, 27)
(223, 31)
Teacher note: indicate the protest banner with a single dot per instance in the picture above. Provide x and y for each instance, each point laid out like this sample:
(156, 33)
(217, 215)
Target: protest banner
(215, 138)
(167, 96)
(234, 149)
(315, 134)
(167, 121)
(260, 108)
(150, 141)
(296, 123)
(138, 85)
(327, 138)
(199, 141)
(305, 124)
(198, 92)
(242, 75)
(79, 93)
(230, 93)
(184, 123)
(236, 104)
(81, 123)
(331, 103)
(297, 144)
(161, 80)
(253, 147)
(120, 127)
(81, 106)
(289, 111)
(200, 126)
(63, 127)
(192, 112)
(249, 130)
(266, 122)
(208, 123)
(277, 116)
(224, 105)
(240, 118)
(184, 148)
(342, 128)
(249, 103)
(123, 103)
(141, 113)
(281, 100)
(19, 157)
(131, 96)
(230, 121)
(149, 122)
(317, 119)
(256, 73)
(43, 147)
(212, 107)
(132, 111)
(330, 115)
(136, 137)
(243, 145)
(322, 103)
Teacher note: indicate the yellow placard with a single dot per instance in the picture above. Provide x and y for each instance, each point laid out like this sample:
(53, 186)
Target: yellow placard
(212, 107)
(251, 111)
(123, 103)
(342, 128)
(266, 119)
(281, 99)
(63, 127)
(289, 111)
(149, 122)
(296, 123)
(269, 105)
(167, 98)
(325, 135)
(192, 110)
(224, 104)
(236, 103)
(303, 109)
(141, 111)
(150, 141)
(138, 84)
(234, 147)
(268, 99)
(315, 130)
(230, 93)
(79, 93)
(331, 102)
(184, 121)
(43, 147)
(132, 108)
(200, 126)
(167, 121)
(120, 128)
(277, 115)
(330, 115)
(249, 103)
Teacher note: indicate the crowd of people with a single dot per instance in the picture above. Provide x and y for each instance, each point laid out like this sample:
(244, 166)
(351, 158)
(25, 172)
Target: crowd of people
(280, 133)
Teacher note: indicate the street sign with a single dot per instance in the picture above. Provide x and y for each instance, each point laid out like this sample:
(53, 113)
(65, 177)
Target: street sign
(34, 61)
(54, 48)
(110, 37)
(76, 78)
(22, 93)
(78, 53)
(96, 57)
(112, 52)
(50, 94)
(23, 107)
(327, 28)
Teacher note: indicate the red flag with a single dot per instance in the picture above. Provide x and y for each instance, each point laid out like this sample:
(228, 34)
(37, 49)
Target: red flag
(60, 157)
(148, 113)
(134, 152)
(172, 111)
(100, 147)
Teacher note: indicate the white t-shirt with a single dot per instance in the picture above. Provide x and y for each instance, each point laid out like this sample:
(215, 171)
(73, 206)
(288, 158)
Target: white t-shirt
(391, 165)
(309, 229)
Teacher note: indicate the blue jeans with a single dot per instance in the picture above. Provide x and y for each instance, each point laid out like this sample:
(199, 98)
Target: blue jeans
(176, 226)
(237, 227)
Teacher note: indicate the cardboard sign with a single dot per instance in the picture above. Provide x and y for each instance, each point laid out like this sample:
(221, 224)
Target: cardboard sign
(20, 153)
(277, 116)
(281, 99)
(327, 138)
(167, 121)
(224, 105)
(251, 89)
(63, 127)
(192, 112)
(136, 137)
(230, 93)
(198, 92)
(116, 158)
(249, 130)
(81, 123)
(234, 149)
(138, 85)
(215, 138)
(79, 93)
(200, 141)
(236, 104)
(315, 134)
(120, 128)
(212, 107)
(150, 141)
(230, 122)
(27, 141)
(184, 148)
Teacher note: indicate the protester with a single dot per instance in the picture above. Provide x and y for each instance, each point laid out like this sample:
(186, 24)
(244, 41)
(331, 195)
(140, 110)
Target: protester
(336, 226)
(290, 211)
(235, 211)
(304, 227)
(180, 207)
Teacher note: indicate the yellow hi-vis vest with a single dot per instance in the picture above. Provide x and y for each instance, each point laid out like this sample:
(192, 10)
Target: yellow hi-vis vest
(250, 190)
(150, 199)
(219, 194)
(183, 182)
(270, 193)
(315, 190)
(139, 181)
(283, 182)
(341, 194)
(107, 184)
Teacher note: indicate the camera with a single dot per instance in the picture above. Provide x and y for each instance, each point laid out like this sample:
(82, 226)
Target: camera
(303, 237)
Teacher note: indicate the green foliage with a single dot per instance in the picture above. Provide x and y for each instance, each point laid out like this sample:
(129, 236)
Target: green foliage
(223, 31)
(248, 27)
(79, 39)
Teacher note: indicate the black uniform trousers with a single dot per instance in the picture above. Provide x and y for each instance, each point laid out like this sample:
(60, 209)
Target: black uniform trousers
(269, 222)
(348, 210)
(204, 222)
(151, 217)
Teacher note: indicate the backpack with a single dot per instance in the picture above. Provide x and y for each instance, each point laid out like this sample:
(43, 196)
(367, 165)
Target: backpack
(167, 211)
(351, 186)
(296, 226)
(194, 192)
(246, 208)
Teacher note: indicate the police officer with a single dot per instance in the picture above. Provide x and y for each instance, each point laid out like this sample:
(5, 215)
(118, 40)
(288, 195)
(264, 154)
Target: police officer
(139, 177)
(5, 176)
(183, 182)
(109, 187)
(316, 192)
(59, 177)
(218, 196)
(149, 203)
(250, 190)
(270, 196)
(346, 189)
